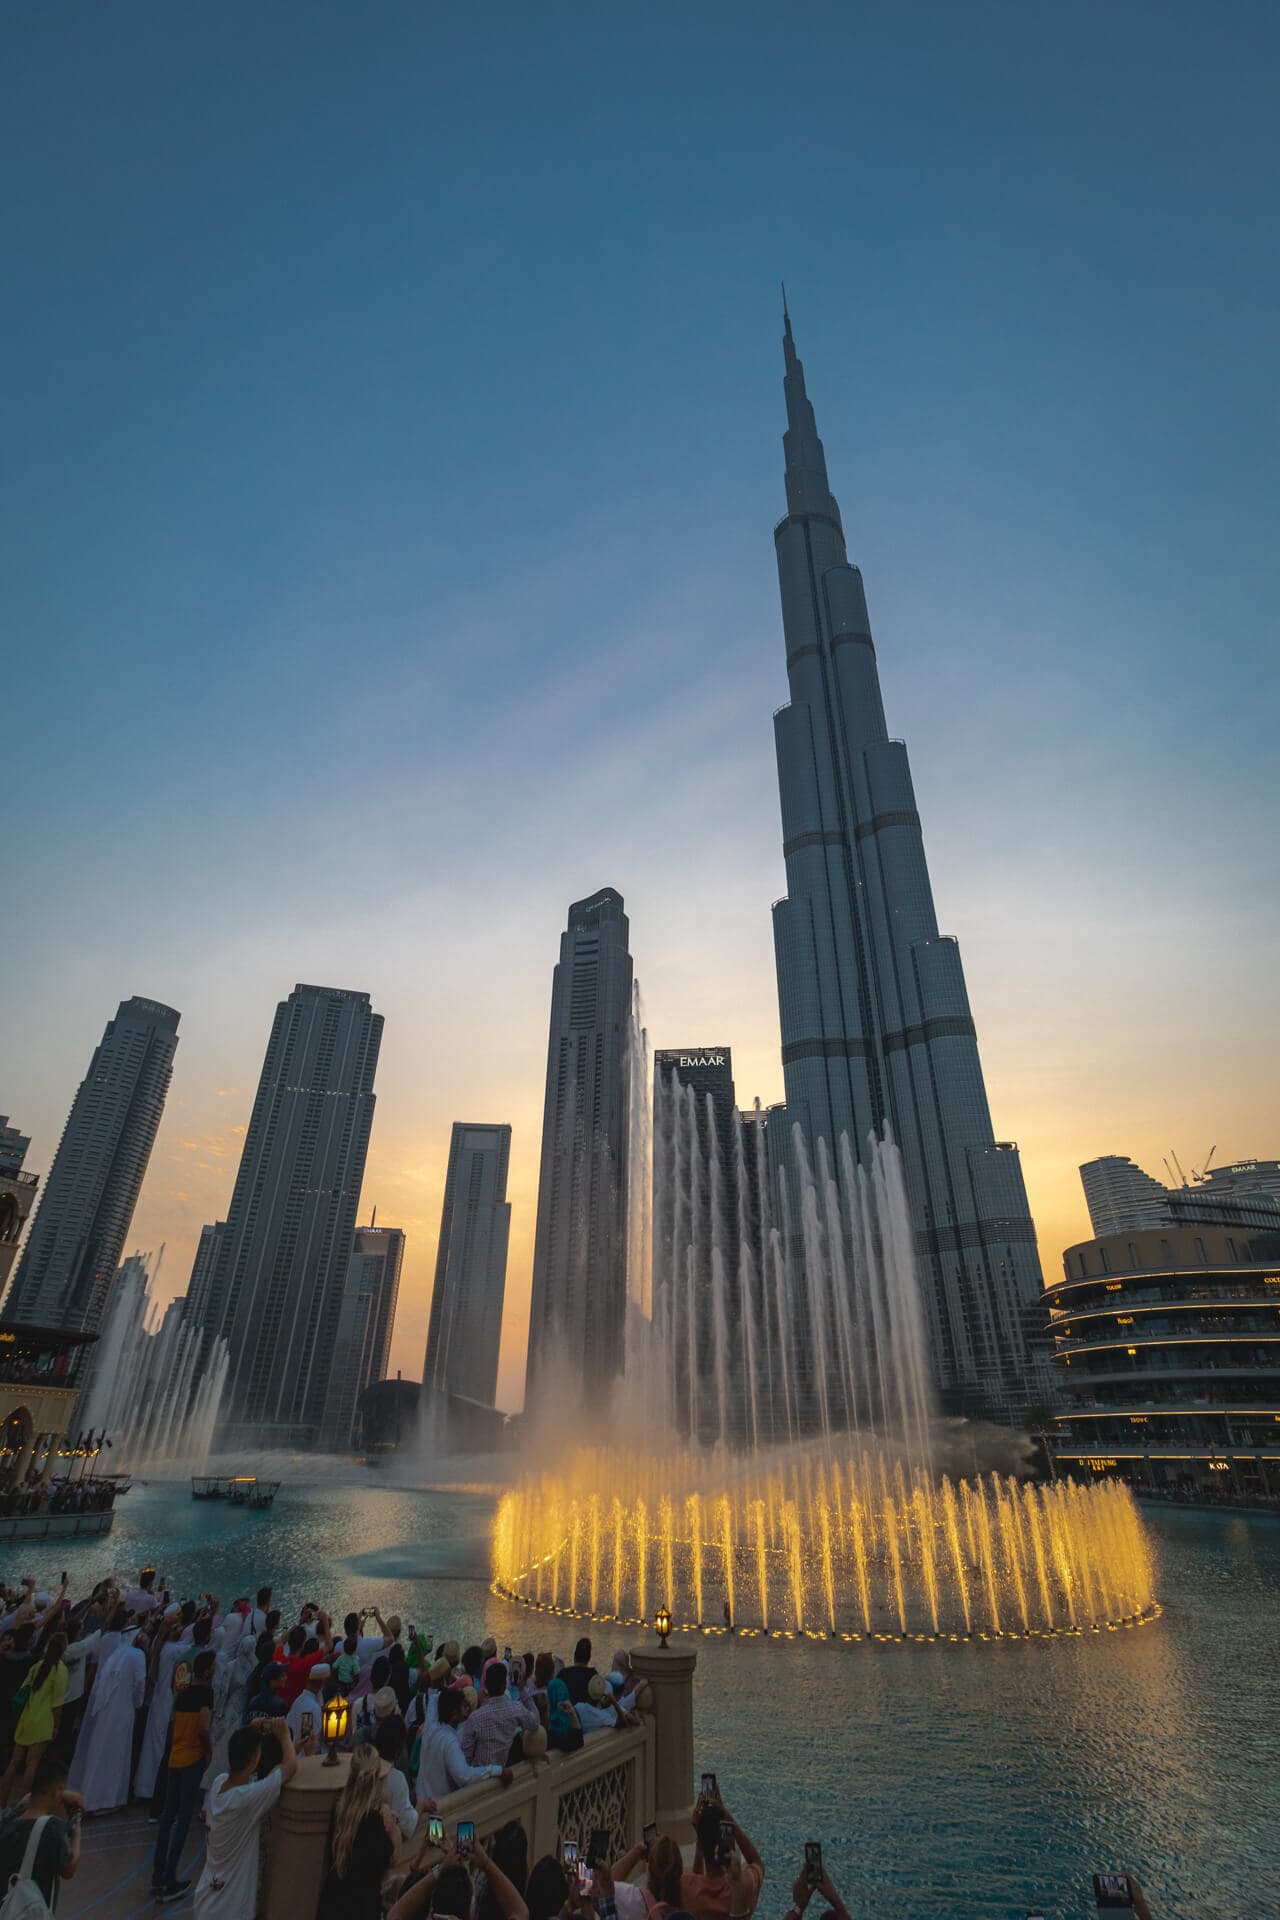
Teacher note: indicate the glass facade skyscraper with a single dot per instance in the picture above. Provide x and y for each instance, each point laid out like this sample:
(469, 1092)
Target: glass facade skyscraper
(68, 1266)
(465, 1329)
(876, 1025)
(275, 1287)
(577, 1323)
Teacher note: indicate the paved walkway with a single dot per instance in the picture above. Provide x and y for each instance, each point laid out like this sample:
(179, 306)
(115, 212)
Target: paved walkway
(114, 1877)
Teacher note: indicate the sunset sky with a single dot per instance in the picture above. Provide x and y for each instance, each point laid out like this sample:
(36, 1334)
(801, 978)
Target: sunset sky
(391, 432)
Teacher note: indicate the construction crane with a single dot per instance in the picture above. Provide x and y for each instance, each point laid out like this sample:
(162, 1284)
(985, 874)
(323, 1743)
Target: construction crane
(1208, 1162)
(1178, 1164)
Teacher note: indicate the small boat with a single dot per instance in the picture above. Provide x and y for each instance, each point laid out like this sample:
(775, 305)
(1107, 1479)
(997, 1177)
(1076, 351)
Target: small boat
(207, 1489)
(246, 1490)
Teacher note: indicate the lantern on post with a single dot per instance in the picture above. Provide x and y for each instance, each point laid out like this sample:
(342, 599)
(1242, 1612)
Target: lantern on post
(335, 1719)
(662, 1624)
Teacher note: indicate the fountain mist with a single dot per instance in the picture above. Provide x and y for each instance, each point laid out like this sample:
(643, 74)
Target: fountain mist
(778, 1460)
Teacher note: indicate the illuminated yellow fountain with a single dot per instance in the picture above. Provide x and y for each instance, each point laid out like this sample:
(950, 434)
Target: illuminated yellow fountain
(846, 1543)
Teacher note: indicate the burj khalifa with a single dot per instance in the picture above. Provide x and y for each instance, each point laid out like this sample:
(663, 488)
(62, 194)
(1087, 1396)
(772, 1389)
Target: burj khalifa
(876, 1026)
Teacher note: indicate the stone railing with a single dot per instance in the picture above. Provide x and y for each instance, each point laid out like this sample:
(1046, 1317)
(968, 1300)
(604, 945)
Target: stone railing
(617, 1780)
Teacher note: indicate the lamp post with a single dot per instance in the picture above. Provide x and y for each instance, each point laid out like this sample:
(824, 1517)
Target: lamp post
(662, 1624)
(335, 1718)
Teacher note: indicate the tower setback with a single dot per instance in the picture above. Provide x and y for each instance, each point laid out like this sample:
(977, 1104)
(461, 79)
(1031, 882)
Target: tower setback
(876, 1025)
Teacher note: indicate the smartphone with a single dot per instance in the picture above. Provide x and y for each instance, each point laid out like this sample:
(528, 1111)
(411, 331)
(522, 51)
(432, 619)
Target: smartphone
(506, 1655)
(598, 1848)
(307, 1723)
(586, 1879)
(1111, 1893)
(435, 1830)
(466, 1837)
(812, 1863)
(651, 1833)
(729, 1838)
(569, 1855)
(710, 1787)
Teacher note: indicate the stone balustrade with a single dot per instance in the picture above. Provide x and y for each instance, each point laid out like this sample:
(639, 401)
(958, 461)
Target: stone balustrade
(618, 1780)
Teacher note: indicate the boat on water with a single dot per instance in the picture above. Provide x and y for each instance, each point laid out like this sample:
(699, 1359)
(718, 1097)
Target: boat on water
(240, 1490)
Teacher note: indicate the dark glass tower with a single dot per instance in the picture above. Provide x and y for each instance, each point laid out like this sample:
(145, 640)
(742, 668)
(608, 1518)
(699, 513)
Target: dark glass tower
(577, 1321)
(465, 1330)
(69, 1263)
(876, 1026)
(278, 1274)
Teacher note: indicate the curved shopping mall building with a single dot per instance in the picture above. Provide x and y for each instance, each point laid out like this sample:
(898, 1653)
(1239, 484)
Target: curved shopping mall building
(1167, 1343)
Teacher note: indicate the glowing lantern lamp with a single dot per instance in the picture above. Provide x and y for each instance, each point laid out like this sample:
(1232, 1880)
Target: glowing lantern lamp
(336, 1718)
(662, 1624)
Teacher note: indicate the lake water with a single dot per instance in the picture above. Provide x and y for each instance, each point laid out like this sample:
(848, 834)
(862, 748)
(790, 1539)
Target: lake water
(944, 1781)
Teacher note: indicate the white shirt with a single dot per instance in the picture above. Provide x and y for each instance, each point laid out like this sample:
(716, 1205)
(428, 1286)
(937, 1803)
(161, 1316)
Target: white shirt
(306, 1702)
(138, 1600)
(397, 1796)
(228, 1888)
(444, 1767)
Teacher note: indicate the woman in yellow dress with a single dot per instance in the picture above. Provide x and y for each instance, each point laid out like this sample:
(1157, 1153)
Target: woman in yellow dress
(46, 1688)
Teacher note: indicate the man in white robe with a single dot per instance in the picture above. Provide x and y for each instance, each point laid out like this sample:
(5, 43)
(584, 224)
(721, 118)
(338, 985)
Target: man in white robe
(104, 1750)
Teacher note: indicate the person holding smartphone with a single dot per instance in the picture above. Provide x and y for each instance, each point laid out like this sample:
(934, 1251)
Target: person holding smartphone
(806, 1886)
(728, 1872)
(446, 1889)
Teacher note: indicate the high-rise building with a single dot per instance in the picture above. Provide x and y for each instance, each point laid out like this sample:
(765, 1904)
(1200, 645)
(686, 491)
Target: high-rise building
(465, 1329)
(279, 1271)
(876, 1026)
(17, 1195)
(578, 1313)
(67, 1267)
(1120, 1197)
(696, 1226)
(366, 1323)
(202, 1270)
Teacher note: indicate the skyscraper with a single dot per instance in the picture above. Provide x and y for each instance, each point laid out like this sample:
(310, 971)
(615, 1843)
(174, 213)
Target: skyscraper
(1120, 1196)
(465, 1329)
(366, 1323)
(695, 1219)
(578, 1313)
(279, 1272)
(876, 1027)
(67, 1267)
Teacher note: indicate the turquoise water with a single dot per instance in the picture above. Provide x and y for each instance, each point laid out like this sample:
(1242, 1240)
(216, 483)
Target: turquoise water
(943, 1781)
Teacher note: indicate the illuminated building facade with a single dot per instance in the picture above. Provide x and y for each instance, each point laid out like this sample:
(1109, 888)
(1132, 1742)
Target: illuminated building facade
(1167, 1345)
(876, 1025)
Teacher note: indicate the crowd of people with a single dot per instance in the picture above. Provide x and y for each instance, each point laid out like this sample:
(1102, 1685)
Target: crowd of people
(201, 1711)
(57, 1496)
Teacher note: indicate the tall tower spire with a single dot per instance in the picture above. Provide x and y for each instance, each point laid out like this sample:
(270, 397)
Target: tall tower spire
(876, 1027)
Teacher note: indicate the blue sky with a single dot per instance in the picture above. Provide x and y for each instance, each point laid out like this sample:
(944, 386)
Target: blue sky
(391, 433)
